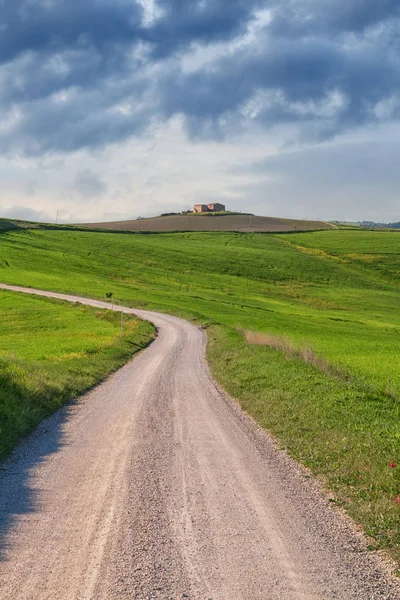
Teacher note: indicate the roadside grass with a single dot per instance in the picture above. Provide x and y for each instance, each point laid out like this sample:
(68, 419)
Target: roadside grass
(337, 413)
(342, 432)
(305, 353)
(51, 352)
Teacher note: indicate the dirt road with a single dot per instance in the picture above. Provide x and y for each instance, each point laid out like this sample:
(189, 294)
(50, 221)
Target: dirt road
(155, 485)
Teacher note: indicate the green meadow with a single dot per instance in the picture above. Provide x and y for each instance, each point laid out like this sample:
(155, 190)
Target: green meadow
(51, 352)
(306, 287)
(328, 387)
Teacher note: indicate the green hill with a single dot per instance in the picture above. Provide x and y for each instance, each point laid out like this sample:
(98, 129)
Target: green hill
(303, 329)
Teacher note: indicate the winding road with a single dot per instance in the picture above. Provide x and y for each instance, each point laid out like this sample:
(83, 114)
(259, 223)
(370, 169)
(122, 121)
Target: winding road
(156, 486)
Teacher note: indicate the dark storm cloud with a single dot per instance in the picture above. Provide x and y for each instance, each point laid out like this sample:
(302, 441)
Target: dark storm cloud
(106, 25)
(313, 17)
(315, 80)
(187, 21)
(98, 54)
(77, 74)
(54, 25)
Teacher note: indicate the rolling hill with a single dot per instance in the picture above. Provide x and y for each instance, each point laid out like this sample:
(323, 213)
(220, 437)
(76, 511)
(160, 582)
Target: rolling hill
(238, 223)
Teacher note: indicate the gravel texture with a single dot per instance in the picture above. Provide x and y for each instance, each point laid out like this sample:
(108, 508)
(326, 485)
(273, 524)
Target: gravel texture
(156, 486)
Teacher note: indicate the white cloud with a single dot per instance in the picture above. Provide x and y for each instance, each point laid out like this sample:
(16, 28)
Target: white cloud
(142, 176)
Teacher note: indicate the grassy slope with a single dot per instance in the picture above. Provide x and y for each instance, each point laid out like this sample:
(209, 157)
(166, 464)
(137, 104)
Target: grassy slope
(319, 288)
(347, 310)
(50, 352)
(378, 252)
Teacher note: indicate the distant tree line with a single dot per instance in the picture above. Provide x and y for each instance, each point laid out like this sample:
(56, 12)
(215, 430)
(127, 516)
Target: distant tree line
(380, 225)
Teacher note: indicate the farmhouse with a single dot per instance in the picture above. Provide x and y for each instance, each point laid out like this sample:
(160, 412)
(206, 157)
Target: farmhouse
(200, 208)
(216, 207)
(204, 208)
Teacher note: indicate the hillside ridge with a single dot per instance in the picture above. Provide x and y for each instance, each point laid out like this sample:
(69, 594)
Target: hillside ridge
(228, 222)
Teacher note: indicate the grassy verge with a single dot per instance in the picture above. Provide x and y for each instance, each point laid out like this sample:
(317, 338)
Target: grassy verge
(51, 352)
(346, 434)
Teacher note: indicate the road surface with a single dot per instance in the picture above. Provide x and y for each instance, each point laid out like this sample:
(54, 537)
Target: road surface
(156, 486)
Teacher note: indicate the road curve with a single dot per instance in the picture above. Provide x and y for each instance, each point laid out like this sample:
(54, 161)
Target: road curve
(156, 486)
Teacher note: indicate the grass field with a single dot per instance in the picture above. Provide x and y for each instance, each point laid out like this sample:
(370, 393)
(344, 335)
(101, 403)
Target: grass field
(333, 295)
(50, 352)
(345, 308)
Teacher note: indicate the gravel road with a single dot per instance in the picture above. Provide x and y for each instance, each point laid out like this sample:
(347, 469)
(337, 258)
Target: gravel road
(156, 486)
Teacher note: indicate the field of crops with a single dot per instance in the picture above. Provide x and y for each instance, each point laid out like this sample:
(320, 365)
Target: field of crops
(213, 222)
(328, 300)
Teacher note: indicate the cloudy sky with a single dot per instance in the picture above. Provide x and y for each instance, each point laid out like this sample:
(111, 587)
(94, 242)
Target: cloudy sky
(115, 109)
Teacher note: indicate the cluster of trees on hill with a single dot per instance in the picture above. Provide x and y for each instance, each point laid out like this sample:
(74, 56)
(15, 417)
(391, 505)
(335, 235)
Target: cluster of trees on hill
(380, 225)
